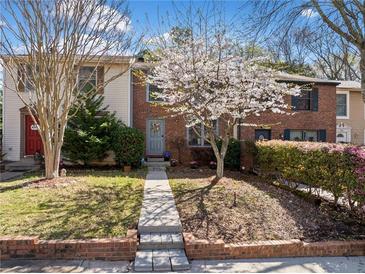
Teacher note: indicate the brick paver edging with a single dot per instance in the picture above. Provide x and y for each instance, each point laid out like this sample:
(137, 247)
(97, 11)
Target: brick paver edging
(204, 249)
(92, 249)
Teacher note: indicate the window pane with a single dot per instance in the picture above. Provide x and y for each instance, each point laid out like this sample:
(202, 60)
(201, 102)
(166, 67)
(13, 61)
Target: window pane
(296, 135)
(194, 138)
(87, 72)
(341, 110)
(87, 79)
(304, 100)
(341, 104)
(153, 92)
(341, 99)
(310, 135)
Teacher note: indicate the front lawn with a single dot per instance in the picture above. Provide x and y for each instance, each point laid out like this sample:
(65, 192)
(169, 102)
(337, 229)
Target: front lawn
(262, 211)
(85, 204)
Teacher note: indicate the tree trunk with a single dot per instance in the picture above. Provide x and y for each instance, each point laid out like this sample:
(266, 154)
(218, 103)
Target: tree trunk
(362, 70)
(220, 168)
(52, 162)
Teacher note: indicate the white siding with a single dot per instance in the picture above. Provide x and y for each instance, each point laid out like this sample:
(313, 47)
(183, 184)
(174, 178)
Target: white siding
(116, 95)
(11, 119)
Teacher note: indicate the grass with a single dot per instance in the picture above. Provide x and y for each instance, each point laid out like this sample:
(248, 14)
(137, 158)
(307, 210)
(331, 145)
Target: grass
(27, 177)
(95, 204)
(248, 208)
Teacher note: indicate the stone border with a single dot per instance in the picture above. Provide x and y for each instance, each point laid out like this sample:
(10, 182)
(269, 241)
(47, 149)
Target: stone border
(110, 249)
(204, 249)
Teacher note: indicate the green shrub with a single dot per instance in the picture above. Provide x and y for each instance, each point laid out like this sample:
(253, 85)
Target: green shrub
(88, 133)
(232, 159)
(128, 145)
(336, 168)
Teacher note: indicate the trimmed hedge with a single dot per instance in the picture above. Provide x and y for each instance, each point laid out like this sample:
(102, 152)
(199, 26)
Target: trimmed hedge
(128, 145)
(337, 168)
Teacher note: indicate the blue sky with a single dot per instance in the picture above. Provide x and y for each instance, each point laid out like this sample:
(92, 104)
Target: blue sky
(143, 9)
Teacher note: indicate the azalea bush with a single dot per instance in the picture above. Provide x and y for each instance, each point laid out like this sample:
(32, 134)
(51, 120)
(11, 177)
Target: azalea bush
(337, 168)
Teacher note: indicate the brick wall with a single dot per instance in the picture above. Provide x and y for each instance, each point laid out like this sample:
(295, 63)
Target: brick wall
(204, 249)
(176, 133)
(175, 129)
(324, 118)
(93, 249)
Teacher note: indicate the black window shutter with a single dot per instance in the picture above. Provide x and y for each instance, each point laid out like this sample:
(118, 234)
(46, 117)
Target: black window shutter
(294, 102)
(314, 99)
(286, 134)
(322, 135)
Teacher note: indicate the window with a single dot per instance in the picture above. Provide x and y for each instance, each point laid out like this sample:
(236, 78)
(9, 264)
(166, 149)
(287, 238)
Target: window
(196, 135)
(342, 105)
(303, 135)
(29, 87)
(306, 101)
(152, 93)
(87, 79)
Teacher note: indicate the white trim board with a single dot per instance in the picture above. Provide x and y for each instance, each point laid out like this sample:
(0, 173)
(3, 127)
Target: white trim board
(347, 92)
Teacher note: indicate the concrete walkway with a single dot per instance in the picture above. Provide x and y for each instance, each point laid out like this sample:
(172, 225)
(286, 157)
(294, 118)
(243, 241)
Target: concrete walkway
(281, 265)
(161, 246)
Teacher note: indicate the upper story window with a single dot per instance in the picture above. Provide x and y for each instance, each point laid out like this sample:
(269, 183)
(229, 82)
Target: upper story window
(306, 101)
(152, 93)
(25, 78)
(87, 79)
(342, 104)
(197, 135)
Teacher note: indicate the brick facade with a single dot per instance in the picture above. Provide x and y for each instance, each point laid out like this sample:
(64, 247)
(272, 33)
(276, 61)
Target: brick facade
(204, 249)
(175, 136)
(115, 249)
(324, 118)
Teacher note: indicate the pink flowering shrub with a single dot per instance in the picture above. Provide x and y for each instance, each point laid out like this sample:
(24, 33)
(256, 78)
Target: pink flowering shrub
(337, 168)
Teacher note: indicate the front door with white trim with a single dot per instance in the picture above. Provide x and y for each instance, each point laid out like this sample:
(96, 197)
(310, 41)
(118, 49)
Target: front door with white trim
(343, 135)
(155, 136)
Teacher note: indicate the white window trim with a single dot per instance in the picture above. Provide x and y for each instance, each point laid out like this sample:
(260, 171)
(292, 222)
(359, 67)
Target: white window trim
(96, 75)
(202, 130)
(347, 92)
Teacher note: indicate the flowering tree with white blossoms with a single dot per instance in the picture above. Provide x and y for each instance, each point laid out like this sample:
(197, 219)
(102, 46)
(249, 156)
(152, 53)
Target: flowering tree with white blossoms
(204, 82)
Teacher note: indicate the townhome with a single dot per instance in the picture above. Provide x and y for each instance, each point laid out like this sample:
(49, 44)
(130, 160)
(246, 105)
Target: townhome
(20, 135)
(350, 113)
(312, 118)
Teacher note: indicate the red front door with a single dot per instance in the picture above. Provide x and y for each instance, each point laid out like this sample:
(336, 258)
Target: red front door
(33, 142)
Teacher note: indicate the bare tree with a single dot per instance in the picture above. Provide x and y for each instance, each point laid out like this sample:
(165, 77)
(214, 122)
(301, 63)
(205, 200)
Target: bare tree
(346, 18)
(333, 56)
(45, 43)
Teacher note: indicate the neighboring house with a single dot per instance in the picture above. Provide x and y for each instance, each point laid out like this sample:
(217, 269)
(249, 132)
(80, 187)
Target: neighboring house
(20, 136)
(350, 113)
(313, 119)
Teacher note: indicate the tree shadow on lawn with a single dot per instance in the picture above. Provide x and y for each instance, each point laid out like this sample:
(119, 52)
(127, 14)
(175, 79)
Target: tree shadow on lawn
(100, 212)
(263, 211)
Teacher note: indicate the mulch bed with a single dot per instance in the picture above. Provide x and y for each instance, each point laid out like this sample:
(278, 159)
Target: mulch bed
(249, 208)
